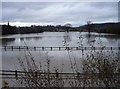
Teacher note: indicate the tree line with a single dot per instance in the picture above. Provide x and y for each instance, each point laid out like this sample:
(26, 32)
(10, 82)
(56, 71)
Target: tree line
(113, 28)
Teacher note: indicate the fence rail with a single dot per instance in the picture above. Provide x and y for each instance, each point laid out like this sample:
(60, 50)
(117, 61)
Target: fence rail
(10, 74)
(35, 48)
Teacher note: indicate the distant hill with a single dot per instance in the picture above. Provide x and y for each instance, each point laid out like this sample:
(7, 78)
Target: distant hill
(103, 27)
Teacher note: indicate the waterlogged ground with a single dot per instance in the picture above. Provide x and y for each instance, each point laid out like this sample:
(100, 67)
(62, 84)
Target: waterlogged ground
(53, 39)
(60, 60)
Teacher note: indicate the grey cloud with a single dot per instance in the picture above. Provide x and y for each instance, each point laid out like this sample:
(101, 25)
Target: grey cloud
(58, 12)
(111, 5)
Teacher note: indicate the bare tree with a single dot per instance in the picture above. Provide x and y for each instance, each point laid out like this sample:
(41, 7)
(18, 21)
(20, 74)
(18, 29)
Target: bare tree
(89, 25)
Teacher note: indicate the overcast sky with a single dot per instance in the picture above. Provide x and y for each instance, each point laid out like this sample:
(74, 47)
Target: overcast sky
(54, 13)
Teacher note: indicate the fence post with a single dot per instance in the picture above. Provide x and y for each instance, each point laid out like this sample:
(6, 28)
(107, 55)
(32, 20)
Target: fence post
(12, 48)
(111, 48)
(42, 48)
(5, 48)
(59, 48)
(57, 75)
(27, 48)
(51, 48)
(34, 48)
(16, 76)
(19, 48)
(76, 48)
(36, 74)
(78, 74)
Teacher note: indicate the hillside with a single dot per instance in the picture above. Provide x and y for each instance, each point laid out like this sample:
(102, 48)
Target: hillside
(102, 28)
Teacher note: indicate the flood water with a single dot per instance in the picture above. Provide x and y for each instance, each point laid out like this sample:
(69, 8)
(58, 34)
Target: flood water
(56, 39)
(53, 39)
(58, 59)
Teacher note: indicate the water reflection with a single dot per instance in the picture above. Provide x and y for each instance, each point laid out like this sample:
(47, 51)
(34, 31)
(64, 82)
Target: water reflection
(55, 39)
(91, 38)
(30, 38)
(67, 37)
(112, 38)
(7, 41)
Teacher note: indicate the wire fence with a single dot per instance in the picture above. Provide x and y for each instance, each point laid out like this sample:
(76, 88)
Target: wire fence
(10, 74)
(35, 48)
